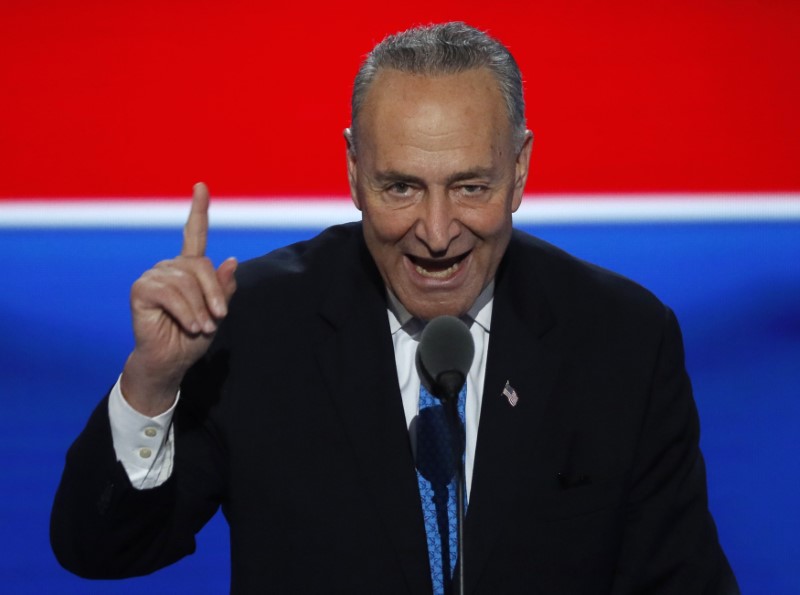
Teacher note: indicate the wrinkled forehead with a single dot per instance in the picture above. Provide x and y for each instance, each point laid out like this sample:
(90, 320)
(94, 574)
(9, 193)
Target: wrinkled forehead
(400, 104)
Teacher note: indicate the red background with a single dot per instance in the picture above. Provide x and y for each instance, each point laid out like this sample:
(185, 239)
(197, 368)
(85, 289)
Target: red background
(142, 98)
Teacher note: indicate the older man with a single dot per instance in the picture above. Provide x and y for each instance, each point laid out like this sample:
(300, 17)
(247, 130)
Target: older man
(299, 399)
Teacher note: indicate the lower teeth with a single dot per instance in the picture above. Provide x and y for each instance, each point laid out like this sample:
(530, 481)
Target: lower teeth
(438, 274)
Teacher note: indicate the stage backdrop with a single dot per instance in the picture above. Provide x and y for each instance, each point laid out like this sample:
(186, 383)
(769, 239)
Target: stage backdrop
(667, 147)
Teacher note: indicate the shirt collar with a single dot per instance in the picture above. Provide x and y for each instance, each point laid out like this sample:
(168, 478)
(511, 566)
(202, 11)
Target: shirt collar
(480, 312)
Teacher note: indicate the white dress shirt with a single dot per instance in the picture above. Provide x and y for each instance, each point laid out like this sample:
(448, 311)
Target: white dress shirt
(145, 445)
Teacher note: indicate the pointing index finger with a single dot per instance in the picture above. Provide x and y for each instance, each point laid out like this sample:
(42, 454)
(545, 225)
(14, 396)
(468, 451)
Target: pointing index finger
(195, 231)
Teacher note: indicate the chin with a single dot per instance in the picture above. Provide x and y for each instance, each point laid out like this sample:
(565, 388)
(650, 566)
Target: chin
(430, 310)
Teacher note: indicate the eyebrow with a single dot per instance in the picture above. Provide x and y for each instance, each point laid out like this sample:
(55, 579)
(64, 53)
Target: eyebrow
(393, 175)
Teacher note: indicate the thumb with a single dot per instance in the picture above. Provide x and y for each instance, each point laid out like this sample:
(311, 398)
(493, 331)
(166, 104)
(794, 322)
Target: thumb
(226, 278)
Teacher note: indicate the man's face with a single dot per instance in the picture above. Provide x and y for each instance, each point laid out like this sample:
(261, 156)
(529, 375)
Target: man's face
(436, 178)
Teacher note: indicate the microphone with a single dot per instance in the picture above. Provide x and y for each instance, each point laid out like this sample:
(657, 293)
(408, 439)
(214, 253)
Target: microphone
(445, 355)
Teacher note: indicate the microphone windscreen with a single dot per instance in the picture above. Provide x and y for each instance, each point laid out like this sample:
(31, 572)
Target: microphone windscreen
(446, 345)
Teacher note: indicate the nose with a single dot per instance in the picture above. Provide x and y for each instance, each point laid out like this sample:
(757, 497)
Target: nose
(437, 225)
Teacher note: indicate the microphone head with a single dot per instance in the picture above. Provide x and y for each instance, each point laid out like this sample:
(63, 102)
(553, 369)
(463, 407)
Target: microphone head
(445, 355)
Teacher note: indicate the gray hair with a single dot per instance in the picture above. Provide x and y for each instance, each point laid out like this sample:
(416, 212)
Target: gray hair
(447, 48)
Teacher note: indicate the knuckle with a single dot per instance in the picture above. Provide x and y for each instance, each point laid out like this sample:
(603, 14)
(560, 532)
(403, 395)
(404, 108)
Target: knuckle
(196, 264)
(164, 264)
(144, 284)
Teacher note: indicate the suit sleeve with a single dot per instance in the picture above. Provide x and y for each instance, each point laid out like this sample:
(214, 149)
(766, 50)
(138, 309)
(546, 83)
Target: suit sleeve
(102, 527)
(670, 543)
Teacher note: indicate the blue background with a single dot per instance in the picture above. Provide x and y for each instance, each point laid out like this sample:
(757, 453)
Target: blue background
(734, 286)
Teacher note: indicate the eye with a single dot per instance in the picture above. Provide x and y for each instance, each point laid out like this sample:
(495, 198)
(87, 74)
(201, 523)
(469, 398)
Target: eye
(472, 190)
(400, 189)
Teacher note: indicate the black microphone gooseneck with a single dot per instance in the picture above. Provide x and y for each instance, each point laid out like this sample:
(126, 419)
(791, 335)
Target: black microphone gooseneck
(445, 355)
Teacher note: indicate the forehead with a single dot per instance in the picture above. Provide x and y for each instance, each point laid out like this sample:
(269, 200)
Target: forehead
(434, 110)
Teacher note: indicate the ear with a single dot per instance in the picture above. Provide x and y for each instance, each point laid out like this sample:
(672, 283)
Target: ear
(352, 167)
(522, 168)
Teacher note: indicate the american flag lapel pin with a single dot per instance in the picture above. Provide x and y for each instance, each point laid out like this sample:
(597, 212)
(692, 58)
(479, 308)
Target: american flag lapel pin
(510, 393)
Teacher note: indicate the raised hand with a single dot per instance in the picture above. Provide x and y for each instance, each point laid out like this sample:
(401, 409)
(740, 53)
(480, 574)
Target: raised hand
(176, 307)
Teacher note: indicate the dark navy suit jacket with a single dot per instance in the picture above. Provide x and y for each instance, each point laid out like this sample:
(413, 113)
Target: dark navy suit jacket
(293, 423)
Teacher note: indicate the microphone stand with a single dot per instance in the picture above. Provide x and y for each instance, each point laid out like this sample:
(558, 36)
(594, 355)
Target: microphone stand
(450, 384)
(458, 435)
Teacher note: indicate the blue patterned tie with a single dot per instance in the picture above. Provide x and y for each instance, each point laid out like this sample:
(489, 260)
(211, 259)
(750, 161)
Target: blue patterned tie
(437, 460)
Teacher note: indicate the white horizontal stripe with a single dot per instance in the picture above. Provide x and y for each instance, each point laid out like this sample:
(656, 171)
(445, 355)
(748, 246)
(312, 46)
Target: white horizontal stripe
(315, 213)
(231, 213)
(646, 208)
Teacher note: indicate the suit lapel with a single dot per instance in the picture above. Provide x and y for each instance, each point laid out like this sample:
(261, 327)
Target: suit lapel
(523, 351)
(356, 356)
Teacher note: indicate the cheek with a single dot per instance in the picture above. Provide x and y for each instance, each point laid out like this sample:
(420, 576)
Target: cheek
(387, 227)
(491, 223)
(494, 232)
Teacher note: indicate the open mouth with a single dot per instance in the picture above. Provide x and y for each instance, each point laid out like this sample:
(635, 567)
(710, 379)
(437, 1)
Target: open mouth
(443, 268)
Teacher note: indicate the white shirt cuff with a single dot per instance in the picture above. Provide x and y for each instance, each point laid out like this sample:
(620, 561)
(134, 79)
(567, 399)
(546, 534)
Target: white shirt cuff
(144, 445)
